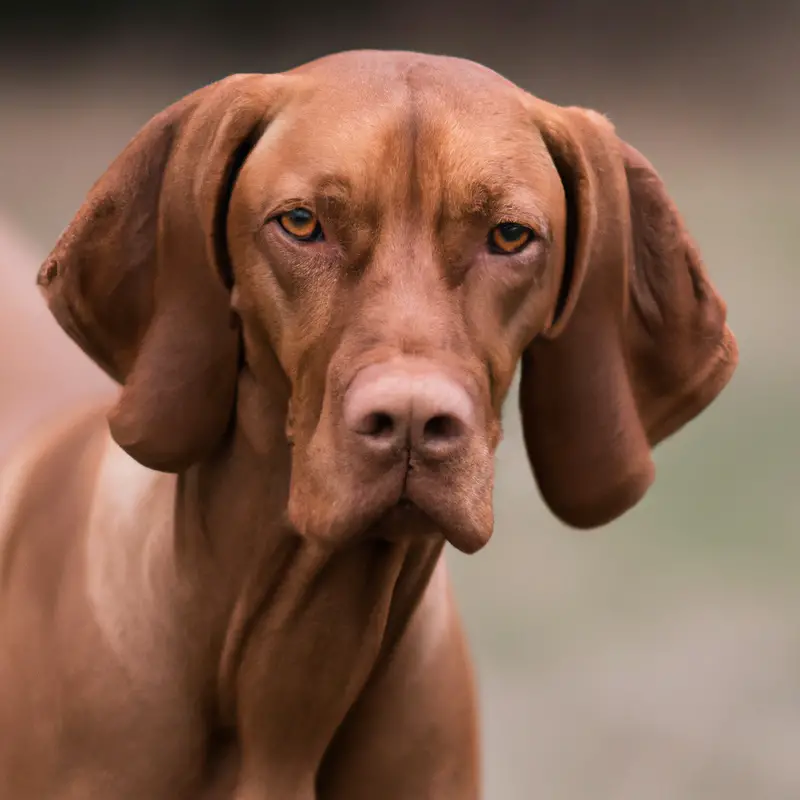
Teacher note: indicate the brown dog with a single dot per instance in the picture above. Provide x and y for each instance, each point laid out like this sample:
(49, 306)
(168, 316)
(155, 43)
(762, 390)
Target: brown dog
(314, 289)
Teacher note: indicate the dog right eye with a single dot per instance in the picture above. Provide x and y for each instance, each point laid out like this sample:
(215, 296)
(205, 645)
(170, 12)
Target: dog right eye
(509, 238)
(301, 224)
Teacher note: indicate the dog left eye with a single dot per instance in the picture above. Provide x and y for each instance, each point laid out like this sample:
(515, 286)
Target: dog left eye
(509, 238)
(301, 224)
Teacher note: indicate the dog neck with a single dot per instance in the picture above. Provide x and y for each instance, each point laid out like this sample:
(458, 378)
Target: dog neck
(281, 603)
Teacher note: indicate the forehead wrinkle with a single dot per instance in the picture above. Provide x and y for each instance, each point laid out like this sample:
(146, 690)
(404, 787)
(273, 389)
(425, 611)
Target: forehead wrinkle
(459, 196)
(472, 164)
(397, 174)
(479, 171)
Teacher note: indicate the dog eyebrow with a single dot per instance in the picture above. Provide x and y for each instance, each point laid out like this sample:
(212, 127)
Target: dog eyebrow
(335, 195)
(492, 201)
(333, 186)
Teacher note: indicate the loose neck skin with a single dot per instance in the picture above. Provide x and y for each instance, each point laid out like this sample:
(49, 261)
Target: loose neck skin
(284, 608)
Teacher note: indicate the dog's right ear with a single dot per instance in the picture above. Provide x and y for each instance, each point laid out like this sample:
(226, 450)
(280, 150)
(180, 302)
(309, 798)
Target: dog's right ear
(140, 279)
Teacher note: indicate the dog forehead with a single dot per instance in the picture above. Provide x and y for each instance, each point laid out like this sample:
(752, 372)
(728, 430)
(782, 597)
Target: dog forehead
(367, 88)
(367, 67)
(371, 114)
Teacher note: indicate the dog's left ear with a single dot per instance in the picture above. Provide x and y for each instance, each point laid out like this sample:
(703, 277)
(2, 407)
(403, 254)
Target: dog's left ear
(140, 279)
(638, 346)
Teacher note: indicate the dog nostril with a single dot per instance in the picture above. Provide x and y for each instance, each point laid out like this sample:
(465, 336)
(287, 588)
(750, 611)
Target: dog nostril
(378, 425)
(442, 428)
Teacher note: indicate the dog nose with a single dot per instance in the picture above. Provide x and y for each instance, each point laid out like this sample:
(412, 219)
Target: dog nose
(408, 405)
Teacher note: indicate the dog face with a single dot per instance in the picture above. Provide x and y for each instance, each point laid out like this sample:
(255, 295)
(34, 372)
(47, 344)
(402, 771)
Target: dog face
(397, 248)
(382, 238)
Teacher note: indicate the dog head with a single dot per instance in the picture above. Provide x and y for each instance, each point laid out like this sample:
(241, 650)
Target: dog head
(378, 240)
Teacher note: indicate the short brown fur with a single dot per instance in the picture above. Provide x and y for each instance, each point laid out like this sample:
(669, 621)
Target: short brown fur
(215, 593)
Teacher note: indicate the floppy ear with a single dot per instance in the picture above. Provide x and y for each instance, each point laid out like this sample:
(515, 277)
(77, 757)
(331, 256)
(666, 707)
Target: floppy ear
(639, 344)
(140, 280)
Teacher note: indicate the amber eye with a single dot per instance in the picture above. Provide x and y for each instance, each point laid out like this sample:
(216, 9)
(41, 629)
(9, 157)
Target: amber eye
(510, 237)
(302, 224)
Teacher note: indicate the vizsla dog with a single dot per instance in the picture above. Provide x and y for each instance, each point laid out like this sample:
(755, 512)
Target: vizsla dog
(314, 289)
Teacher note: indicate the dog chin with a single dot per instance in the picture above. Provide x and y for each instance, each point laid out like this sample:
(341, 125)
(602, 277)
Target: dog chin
(413, 517)
(402, 521)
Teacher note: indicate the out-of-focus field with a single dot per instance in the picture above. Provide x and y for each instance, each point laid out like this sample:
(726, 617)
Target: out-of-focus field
(658, 658)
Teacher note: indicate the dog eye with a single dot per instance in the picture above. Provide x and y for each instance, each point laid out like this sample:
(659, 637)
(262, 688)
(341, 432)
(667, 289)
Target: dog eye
(510, 237)
(301, 224)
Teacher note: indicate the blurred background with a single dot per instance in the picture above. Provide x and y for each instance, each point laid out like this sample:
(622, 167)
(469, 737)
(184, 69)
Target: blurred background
(657, 658)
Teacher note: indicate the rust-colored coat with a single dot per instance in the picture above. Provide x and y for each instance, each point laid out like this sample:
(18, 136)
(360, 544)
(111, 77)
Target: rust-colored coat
(314, 289)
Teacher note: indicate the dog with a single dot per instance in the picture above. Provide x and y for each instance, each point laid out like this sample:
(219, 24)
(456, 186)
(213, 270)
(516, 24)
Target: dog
(314, 289)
